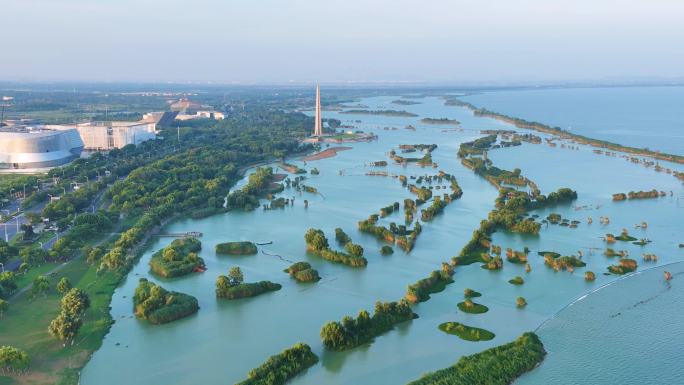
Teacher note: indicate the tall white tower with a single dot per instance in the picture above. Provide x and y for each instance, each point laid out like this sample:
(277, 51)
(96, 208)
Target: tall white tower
(318, 124)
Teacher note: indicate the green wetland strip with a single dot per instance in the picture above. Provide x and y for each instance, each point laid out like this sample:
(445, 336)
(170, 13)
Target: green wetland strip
(495, 366)
(557, 131)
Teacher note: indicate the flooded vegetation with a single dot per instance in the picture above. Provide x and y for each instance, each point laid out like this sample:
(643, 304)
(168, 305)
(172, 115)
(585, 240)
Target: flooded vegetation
(495, 202)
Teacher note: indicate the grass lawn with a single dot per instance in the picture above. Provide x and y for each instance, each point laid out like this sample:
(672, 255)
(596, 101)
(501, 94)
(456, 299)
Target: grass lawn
(23, 280)
(25, 325)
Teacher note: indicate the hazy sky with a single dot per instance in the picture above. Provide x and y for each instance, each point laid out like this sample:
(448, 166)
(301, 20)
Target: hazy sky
(227, 41)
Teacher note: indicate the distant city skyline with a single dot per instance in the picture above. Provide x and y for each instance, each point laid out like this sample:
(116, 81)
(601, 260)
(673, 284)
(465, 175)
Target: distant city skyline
(336, 41)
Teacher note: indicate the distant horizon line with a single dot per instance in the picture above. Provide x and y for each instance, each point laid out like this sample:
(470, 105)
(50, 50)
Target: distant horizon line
(623, 82)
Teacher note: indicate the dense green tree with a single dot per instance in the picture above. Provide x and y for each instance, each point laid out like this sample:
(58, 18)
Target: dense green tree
(7, 284)
(6, 251)
(316, 240)
(353, 249)
(34, 255)
(114, 259)
(75, 302)
(495, 366)
(65, 327)
(28, 231)
(13, 360)
(352, 332)
(4, 305)
(64, 285)
(222, 283)
(281, 367)
(235, 276)
(41, 285)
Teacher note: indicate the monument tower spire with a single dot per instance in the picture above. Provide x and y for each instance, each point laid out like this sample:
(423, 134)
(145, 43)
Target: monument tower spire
(318, 125)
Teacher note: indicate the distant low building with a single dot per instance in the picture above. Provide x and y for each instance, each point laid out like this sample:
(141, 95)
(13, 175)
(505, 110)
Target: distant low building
(26, 147)
(201, 115)
(109, 135)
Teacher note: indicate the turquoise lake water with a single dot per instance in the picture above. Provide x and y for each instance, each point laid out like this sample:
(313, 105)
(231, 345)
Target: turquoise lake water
(226, 339)
(651, 117)
(629, 332)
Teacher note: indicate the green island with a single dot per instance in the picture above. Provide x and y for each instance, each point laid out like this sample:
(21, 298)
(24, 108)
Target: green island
(402, 236)
(281, 367)
(564, 134)
(424, 194)
(496, 366)
(520, 302)
(403, 102)
(515, 256)
(494, 175)
(317, 243)
(624, 237)
(466, 332)
(492, 263)
(468, 306)
(417, 147)
(477, 146)
(425, 160)
(177, 259)
(387, 210)
(470, 293)
(303, 272)
(625, 266)
(436, 282)
(236, 248)
(393, 113)
(158, 306)
(439, 121)
(232, 286)
(552, 254)
(351, 332)
(612, 253)
(642, 242)
(518, 280)
(386, 250)
(566, 262)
